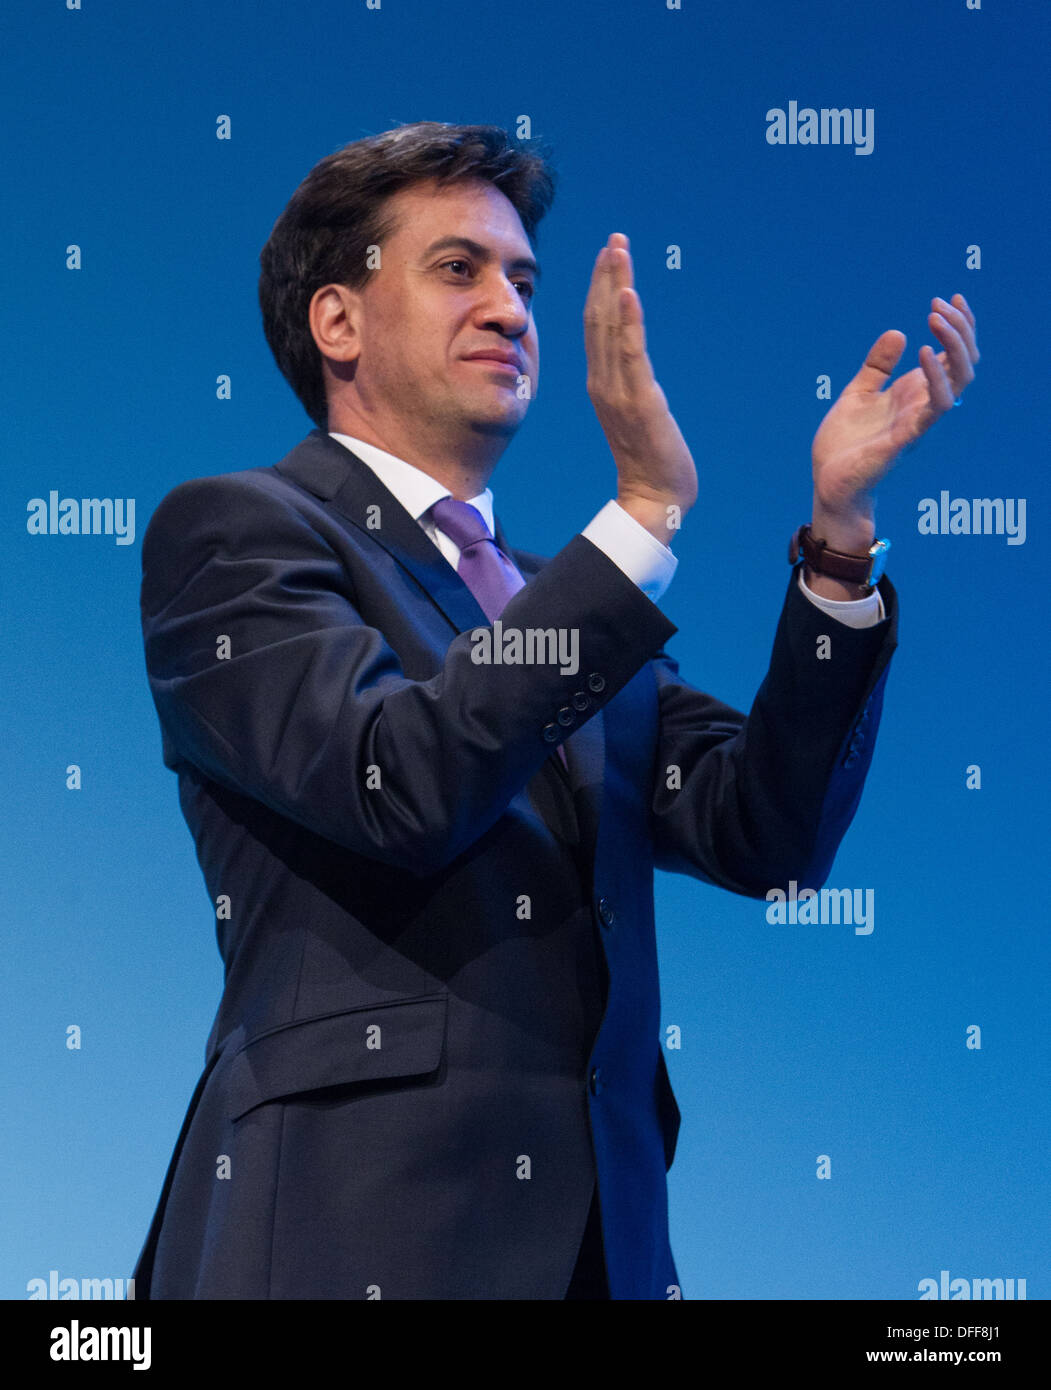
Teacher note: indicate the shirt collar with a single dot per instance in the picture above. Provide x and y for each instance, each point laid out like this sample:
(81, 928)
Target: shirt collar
(416, 490)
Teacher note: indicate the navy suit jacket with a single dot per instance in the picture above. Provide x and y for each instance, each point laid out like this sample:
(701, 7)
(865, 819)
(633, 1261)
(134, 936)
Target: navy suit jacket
(440, 1021)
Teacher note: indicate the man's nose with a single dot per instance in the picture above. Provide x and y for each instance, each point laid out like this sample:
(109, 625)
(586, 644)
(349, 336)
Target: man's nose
(502, 305)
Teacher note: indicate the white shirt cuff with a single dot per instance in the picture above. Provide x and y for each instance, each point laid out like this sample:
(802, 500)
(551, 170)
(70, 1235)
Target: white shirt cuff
(633, 549)
(858, 612)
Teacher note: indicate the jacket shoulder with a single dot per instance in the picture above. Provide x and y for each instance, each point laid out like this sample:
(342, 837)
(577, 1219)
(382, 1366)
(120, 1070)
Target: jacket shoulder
(224, 506)
(222, 491)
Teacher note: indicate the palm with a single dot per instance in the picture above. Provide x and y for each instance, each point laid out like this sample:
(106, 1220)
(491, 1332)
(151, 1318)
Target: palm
(864, 431)
(872, 421)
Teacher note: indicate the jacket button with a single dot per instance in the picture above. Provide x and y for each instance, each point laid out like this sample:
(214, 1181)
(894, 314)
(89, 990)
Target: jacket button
(851, 758)
(596, 1082)
(551, 733)
(596, 683)
(605, 912)
(580, 701)
(566, 716)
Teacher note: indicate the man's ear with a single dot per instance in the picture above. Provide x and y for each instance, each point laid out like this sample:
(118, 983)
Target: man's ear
(335, 322)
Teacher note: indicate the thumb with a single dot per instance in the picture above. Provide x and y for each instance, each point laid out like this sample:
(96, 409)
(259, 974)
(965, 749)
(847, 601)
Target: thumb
(884, 355)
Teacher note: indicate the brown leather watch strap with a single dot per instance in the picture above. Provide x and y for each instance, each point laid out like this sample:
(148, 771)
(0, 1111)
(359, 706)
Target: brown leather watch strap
(852, 569)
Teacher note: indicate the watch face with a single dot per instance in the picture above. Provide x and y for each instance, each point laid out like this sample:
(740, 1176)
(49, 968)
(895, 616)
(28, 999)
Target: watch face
(878, 551)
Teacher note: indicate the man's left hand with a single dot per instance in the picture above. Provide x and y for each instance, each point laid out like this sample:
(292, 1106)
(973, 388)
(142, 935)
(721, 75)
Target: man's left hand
(870, 423)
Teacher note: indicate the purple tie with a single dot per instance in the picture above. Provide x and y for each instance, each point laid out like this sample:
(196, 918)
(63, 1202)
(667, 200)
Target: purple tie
(483, 567)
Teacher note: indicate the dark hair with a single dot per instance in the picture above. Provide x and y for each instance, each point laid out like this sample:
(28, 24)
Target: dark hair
(338, 211)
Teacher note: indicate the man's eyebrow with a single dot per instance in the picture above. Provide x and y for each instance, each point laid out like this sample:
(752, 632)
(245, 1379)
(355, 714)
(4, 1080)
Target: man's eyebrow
(451, 243)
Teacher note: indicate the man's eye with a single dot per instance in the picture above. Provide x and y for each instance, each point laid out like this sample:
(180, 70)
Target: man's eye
(526, 288)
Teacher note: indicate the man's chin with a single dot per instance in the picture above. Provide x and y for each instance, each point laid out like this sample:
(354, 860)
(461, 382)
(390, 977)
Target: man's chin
(498, 422)
(497, 429)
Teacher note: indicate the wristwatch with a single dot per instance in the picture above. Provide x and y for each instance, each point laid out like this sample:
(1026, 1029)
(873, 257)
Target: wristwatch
(864, 570)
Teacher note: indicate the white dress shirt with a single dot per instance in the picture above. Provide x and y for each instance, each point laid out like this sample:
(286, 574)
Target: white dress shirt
(628, 544)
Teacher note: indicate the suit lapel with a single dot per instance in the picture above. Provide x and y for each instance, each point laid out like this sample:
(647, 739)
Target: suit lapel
(329, 470)
(338, 477)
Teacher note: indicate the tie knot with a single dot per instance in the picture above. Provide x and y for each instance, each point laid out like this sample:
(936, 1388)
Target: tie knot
(462, 523)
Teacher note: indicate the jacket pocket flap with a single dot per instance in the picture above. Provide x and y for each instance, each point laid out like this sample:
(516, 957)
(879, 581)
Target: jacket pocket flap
(375, 1043)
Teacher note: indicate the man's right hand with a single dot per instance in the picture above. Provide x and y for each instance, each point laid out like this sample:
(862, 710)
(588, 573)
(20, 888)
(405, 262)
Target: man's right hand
(657, 479)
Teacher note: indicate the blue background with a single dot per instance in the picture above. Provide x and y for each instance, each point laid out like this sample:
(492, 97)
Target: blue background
(796, 1040)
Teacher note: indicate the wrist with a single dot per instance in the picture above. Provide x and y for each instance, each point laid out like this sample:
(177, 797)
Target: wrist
(850, 530)
(826, 587)
(660, 519)
(842, 560)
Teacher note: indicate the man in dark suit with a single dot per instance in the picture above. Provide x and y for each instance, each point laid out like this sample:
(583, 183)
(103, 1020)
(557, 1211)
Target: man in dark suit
(429, 775)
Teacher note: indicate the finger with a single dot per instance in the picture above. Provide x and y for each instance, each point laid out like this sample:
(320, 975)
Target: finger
(958, 390)
(883, 356)
(635, 374)
(614, 281)
(941, 392)
(626, 337)
(962, 304)
(960, 371)
(594, 312)
(960, 322)
(607, 280)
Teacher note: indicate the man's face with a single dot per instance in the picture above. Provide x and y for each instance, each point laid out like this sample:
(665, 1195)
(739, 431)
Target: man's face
(457, 278)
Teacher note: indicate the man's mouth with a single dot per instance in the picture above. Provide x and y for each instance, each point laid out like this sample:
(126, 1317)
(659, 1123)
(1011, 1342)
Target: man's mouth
(497, 358)
(494, 362)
